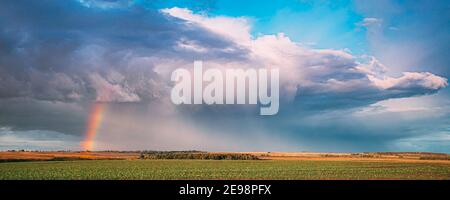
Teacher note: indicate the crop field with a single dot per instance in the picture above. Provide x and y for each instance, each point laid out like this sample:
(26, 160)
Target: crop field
(224, 169)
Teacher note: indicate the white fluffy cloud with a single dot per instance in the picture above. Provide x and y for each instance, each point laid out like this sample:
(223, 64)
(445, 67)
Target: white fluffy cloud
(237, 29)
(328, 75)
(419, 80)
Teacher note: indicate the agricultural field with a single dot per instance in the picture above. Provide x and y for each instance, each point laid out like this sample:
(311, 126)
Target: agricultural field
(269, 166)
(221, 169)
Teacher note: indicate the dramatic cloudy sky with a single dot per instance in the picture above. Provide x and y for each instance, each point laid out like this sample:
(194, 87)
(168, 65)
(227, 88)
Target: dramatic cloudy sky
(354, 75)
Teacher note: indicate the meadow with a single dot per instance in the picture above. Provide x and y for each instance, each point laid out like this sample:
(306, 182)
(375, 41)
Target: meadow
(223, 169)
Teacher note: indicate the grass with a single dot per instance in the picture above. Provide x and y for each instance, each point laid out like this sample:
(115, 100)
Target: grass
(222, 169)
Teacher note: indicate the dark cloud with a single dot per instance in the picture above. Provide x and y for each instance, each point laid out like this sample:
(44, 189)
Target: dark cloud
(61, 51)
(28, 114)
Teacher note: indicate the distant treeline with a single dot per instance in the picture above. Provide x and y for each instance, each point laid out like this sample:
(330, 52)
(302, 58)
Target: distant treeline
(444, 157)
(196, 155)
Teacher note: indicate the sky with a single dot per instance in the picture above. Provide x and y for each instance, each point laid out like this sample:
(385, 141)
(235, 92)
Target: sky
(354, 75)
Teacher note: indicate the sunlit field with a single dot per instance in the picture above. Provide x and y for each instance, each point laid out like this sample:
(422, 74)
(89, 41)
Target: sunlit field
(222, 169)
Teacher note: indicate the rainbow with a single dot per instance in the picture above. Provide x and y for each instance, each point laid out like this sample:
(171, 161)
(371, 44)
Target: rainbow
(93, 123)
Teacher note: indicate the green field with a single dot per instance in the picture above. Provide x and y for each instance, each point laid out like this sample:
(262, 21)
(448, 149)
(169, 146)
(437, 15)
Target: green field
(221, 169)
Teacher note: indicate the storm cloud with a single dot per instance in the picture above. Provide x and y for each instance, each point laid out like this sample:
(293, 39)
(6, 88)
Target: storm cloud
(57, 58)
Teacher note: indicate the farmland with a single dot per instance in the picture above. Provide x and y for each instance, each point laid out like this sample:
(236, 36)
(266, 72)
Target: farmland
(270, 166)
